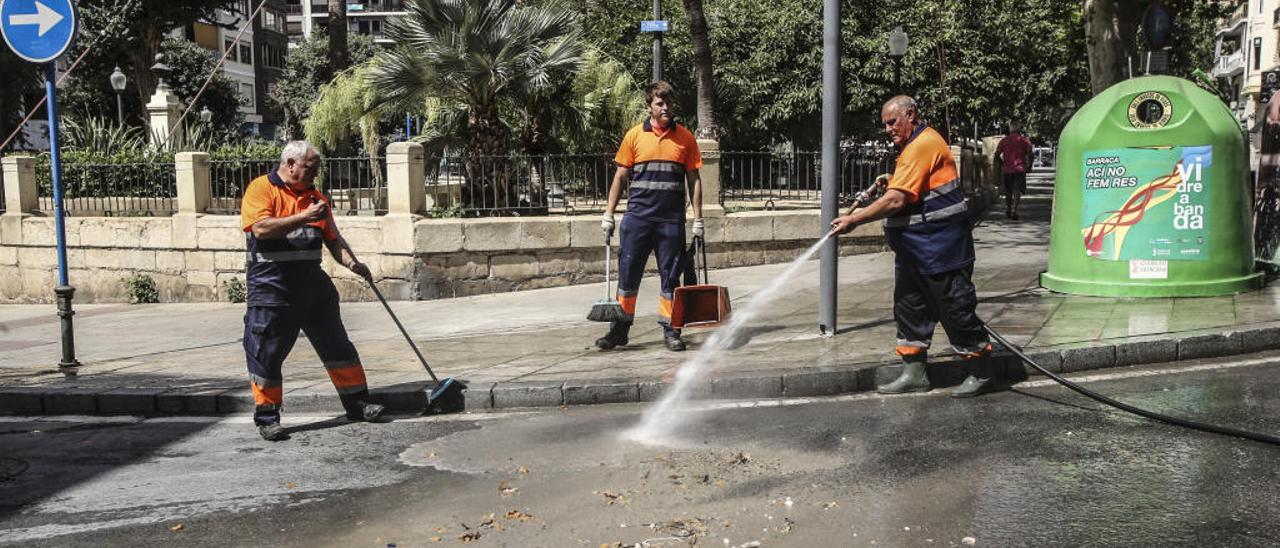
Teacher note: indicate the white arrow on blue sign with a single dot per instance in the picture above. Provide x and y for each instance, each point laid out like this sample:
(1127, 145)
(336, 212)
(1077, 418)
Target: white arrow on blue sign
(38, 30)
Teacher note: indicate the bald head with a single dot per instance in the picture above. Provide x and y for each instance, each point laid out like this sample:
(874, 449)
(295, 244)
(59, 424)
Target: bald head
(900, 118)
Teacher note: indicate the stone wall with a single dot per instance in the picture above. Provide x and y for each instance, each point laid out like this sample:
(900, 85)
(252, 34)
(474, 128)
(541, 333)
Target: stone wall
(191, 256)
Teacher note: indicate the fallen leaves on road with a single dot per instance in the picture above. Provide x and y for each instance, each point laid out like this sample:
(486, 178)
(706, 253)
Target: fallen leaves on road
(506, 489)
(969, 541)
(522, 470)
(436, 539)
(291, 485)
(469, 536)
(611, 498)
(830, 505)
(518, 515)
(177, 527)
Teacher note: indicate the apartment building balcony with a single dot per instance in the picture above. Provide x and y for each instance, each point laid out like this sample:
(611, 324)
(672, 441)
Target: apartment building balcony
(1229, 65)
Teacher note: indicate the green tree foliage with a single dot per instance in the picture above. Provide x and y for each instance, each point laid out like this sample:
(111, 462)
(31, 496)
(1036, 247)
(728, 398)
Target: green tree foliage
(1004, 59)
(129, 33)
(482, 55)
(306, 69)
(24, 83)
(191, 66)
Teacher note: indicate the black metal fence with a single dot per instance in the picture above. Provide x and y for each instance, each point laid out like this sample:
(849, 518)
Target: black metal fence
(517, 185)
(145, 189)
(357, 186)
(794, 179)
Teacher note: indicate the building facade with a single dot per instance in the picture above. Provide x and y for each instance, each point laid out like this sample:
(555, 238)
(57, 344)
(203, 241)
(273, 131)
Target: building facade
(363, 17)
(1248, 63)
(255, 62)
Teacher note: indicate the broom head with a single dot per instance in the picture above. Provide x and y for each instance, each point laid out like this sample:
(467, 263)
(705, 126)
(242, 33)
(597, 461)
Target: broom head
(607, 310)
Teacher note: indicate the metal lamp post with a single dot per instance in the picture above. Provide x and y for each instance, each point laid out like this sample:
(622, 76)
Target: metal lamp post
(897, 48)
(118, 82)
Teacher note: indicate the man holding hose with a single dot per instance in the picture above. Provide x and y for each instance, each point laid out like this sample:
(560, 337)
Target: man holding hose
(926, 224)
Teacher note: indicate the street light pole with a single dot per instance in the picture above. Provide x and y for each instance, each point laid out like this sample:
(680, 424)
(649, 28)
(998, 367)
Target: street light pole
(118, 82)
(831, 107)
(657, 42)
(897, 48)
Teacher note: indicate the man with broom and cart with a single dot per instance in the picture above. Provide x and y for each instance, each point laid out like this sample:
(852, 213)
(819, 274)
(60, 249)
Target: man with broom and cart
(660, 159)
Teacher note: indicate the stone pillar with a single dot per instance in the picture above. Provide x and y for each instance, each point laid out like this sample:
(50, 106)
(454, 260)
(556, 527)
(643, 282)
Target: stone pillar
(163, 109)
(194, 191)
(712, 206)
(20, 185)
(406, 178)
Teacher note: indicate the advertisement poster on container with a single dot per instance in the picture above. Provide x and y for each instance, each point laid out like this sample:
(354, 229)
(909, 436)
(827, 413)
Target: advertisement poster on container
(1147, 203)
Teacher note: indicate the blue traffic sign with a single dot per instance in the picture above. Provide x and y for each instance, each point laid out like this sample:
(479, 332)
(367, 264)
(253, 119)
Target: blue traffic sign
(654, 26)
(38, 30)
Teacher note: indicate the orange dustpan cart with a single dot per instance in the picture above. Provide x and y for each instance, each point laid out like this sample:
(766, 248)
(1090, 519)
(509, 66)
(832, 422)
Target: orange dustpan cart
(700, 305)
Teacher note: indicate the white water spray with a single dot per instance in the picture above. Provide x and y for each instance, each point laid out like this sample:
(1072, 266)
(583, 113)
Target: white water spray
(662, 417)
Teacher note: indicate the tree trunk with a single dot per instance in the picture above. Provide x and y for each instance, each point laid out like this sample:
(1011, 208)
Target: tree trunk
(1111, 28)
(702, 67)
(339, 58)
(486, 171)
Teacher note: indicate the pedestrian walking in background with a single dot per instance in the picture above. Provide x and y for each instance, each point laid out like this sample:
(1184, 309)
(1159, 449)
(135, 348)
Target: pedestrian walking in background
(1015, 155)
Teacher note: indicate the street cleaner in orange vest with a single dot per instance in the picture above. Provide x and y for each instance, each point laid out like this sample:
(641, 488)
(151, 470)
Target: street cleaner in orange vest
(286, 222)
(927, 226)
(659, 157)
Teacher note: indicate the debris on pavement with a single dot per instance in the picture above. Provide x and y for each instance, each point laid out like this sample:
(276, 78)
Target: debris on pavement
(611, 498)
(177, 527)
(969, 541)
(469, 536)
(517, 515)
(507, 490)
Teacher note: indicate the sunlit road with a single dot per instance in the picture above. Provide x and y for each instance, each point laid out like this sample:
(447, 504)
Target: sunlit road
(1038, 466)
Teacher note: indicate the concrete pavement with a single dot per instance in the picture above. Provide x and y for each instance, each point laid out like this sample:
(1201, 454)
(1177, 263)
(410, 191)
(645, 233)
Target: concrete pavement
(534, 348)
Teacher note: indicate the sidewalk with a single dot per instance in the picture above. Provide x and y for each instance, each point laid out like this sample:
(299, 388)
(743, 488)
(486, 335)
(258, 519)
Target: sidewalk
(535, 348)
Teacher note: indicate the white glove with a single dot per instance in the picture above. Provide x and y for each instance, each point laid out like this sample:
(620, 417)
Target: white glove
(699, 228)
(606, 225)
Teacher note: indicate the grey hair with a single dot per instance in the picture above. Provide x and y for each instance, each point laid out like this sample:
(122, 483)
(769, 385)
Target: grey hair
(902, 103)
(297, 151)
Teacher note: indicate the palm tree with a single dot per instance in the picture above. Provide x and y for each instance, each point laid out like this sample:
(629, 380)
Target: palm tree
(339, 57)
(481, 56)
(702, 66)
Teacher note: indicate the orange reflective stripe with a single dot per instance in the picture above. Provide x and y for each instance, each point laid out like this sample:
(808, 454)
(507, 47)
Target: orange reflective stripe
(347, 376)
(910, 350)
(664, 307)
(628, 304)
(267, 396)
(980, 353)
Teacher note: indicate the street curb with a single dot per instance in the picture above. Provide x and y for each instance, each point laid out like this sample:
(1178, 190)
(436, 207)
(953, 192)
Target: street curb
(72, 397)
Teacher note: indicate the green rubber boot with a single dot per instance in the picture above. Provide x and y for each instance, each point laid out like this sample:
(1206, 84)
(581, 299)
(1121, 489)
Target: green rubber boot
(912, 379)
(981, 380)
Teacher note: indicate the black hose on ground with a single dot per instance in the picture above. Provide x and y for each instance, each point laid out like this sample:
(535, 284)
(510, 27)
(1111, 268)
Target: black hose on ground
(1203, 427)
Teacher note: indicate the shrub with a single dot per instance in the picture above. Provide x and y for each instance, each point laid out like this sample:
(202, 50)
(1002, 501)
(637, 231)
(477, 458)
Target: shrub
(140, 288)
(234, 290)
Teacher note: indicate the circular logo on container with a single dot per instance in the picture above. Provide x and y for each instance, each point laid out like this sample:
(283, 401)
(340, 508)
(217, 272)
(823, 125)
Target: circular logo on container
(1150, 110)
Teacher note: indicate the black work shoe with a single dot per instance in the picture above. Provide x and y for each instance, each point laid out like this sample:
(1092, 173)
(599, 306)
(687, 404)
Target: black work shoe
(674, 343)
(272, 432)
(367, 412)
(611, 340)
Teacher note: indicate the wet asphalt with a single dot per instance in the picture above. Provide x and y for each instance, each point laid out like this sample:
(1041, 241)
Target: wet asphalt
(1034, 466)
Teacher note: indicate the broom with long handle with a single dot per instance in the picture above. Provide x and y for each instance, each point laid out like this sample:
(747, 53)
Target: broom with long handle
(607, 309)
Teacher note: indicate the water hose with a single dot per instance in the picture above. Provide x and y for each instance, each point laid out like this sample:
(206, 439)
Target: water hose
(1194, 425)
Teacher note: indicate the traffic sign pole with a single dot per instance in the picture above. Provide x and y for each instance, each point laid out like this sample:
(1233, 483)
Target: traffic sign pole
(657, 43)
(40, 31)
(64, 292)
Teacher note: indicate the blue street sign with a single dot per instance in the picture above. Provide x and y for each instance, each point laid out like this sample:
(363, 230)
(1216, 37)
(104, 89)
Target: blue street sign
(655, 26)
(38, 30)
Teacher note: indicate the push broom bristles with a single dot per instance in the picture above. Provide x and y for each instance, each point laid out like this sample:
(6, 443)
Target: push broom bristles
(607, 309)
